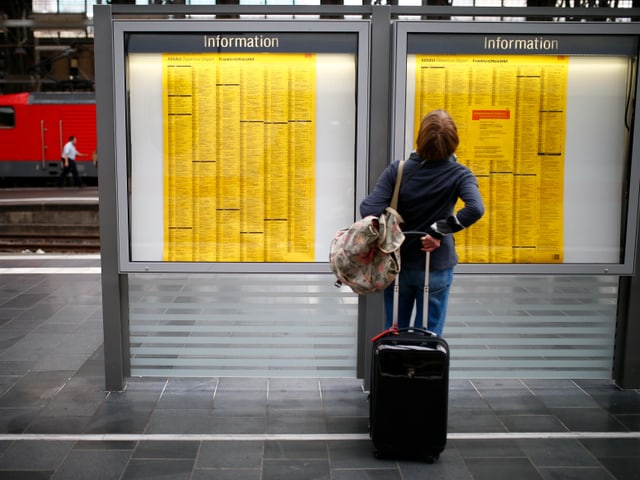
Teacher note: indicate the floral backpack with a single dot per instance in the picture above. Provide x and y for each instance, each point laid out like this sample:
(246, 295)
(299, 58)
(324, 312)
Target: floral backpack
(366, 256)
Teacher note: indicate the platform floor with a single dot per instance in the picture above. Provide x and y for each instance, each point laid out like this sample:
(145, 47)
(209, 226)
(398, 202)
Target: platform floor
(48, 194)
(57, 422)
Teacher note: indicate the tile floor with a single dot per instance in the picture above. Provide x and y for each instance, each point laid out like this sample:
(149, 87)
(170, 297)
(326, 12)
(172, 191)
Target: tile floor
(57, 422)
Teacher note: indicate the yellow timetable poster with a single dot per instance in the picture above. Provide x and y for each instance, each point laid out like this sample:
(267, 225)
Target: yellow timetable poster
(239, 157)
(510, 111)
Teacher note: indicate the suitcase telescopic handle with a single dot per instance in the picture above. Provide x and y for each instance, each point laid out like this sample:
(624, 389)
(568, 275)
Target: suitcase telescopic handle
(425, 294)
(397, 331)
(424, 331)
(415, 232)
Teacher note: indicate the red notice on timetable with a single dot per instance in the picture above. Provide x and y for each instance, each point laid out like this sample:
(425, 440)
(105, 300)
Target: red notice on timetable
(490, 114)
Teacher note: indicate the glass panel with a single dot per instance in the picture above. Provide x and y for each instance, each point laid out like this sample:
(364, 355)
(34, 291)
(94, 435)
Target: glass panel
(7, 117)
(531, 130)
(532, 326)
(302, 326)
(66, 6)
(242, 148)
(242, 325)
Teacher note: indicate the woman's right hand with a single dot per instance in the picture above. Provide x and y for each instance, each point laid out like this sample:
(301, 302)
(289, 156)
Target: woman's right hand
(429, 244)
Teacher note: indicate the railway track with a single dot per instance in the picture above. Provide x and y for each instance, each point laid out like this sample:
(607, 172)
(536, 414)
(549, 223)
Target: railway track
(49, 221)
(48, 239)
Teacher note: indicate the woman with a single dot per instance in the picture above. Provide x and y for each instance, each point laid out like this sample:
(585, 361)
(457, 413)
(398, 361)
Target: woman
(432, 183)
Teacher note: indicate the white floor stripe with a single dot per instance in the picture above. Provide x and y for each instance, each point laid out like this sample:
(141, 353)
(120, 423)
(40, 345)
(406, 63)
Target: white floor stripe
(49, 200)
(120, 437)
(49, 256)
(49, 270)
(43, 269)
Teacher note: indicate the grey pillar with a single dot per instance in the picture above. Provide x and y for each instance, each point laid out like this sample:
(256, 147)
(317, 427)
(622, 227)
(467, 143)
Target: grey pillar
(626, 368)
(370, 307)
(115, 291)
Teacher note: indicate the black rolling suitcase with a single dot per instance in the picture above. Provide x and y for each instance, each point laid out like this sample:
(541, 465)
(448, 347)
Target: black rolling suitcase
(409, 390)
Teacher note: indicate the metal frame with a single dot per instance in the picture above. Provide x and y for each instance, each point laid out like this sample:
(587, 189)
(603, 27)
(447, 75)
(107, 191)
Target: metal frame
(115, 287)
(120, 28)
(626, 366)
(630, 210)
(370, 309)
(402, 28)
(366, 11)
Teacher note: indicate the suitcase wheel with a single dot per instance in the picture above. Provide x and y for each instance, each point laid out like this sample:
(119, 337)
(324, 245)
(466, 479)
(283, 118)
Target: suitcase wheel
(432, 458)
(379, 454)
(429, 458)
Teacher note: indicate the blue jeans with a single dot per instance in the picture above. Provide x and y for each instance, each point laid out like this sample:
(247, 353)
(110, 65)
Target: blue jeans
(412, 291)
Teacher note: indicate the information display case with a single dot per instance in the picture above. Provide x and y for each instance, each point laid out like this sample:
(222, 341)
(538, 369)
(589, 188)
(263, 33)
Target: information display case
(241, 146)
(545, 115)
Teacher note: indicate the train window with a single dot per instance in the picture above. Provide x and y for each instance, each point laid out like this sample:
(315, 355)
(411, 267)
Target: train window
(7, 117)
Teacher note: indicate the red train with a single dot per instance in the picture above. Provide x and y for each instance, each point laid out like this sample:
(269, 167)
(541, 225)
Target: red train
(33, 129)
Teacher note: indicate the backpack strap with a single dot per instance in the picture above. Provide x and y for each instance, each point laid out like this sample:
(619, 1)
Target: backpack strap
(396, 190)
(414, 171)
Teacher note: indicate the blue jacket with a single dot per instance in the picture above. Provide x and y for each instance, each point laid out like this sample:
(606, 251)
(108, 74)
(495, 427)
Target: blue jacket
(428, 194)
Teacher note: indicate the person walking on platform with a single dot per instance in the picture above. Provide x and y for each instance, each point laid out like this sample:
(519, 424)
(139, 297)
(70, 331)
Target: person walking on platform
(69, 154)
